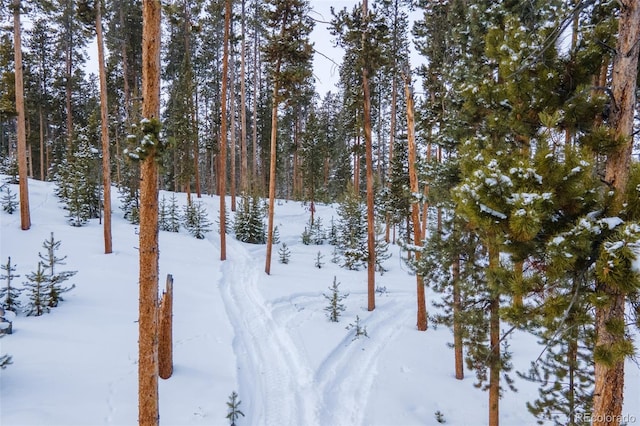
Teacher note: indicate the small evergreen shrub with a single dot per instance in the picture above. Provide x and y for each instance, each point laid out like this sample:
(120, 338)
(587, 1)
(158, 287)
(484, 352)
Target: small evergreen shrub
(9, 294)
(54, 278)
(249, 224)
(36, 287)
(234, 411)
(285, 253)
(9, 203)
(360, 331)
(319, 263)
(196, 221)
(169, 217)
(130, 204)
(335, 307)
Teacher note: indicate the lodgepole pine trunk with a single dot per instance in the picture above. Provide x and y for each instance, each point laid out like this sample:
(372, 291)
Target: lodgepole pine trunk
(148, 413)
(272, 172)
(25, 216)
(104, 127)
(222, 158)
(609, 377)
(165, 333)
(457, 327)
(243, 108)
(494, 336)
(232, 132)
(371, 236)
(415, 210)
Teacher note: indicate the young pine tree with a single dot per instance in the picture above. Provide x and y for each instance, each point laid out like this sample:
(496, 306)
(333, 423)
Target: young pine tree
(284, 253)
(249, 221)
(36, 289)
(352, 232)
(8, 201)
(55, 278)
(9, 294)
(234, 411)
(196, 221)
(335, 307)
(319, 263)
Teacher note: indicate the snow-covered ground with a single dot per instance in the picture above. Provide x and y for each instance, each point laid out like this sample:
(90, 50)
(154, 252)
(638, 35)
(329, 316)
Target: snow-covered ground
(235, 328)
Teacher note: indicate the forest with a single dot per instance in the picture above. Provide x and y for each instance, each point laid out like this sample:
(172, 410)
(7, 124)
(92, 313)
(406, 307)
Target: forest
(505, 164)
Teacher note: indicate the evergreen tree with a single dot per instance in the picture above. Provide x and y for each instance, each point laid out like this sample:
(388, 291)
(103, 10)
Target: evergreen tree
(352, 232)
(234, 411)
(55, 278)
(249, 221)
(196, 221)
(284, 253)
(9, 203)
(359, 330)
(8, 293)
(130, 204)
(36, 289)
(335, 307)
(227, 222)
(319, 261)
(382, 250)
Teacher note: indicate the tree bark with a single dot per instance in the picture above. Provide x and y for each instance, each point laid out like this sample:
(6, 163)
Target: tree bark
(272, 172)
(165, 333)
(104, 123)
(457, 327)
(494, 336)
(232, 132)
(148, 413)
(25, 216)
(243, 108)
(222, 158)
(371, 235)
(415, 209)
(609, 379)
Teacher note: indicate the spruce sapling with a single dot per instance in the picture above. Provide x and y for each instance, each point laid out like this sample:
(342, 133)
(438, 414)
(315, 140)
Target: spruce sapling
(319, 261)
(234, 411)
(37, 288)
(196, 220)
(9, 203)
(360, 330)
(54, 279)
(285, 253)
(335, 308)
(8, 294)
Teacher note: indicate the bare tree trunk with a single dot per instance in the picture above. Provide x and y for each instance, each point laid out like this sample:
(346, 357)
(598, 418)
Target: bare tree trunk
(254, 135)
(104, 122)
(415, 209)
(494, 339)
(371, 235)
(272, 171)
(149, 250)
(457, 328)
(196, 146)
(222, 158)
(609, 377)
(41, 116)
(232, 131)
(25, 216)
(243, 108)
(165, 332)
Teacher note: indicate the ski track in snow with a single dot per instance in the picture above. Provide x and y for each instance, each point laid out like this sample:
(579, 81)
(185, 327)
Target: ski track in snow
(282, 391)
(287, 391)
(346, 376)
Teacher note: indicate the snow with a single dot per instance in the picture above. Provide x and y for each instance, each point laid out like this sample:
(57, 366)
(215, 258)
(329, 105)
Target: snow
(236, 328)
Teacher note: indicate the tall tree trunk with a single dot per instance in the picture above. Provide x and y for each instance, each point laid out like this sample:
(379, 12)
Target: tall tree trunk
(232, 131)
(457, 327)
(392, 134)
(222, 158)
(494, 335)
(371, 235)
(609, 378)
(196, 145)
(149, 250)
(272, 171)
(25, 216)
(243, 108)
(415, 209)
(41, 135)
(256, 72)
(104, 123)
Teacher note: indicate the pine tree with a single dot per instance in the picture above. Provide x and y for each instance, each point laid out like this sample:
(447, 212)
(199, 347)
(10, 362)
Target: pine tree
(36, 289)
(196, 221)
(360, 331)
(352, 232)
(335, 307)
(55, 278)
(319, 263)
(9, 203)
(249, 221)
(234, 411)
(284, 253)
(8, 293)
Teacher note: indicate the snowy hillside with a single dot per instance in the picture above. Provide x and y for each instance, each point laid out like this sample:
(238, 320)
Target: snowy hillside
(235, 328)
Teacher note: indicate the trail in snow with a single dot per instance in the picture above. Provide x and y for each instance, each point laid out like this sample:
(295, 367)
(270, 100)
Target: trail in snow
(275, 381)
